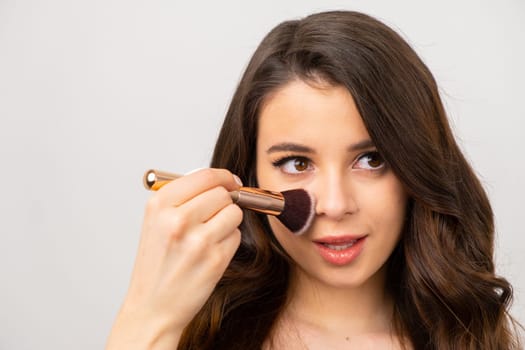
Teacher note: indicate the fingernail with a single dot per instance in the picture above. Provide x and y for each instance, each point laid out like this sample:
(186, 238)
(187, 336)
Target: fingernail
(237, 179)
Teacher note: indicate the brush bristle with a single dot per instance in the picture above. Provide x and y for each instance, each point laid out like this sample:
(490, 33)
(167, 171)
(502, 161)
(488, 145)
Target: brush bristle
(298, 211)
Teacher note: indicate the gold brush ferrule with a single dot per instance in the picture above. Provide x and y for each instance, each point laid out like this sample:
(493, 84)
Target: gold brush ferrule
(263, 201)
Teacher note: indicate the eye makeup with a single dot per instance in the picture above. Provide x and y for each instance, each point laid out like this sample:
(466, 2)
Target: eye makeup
(373, 161)
(297, 164)
(293, 164)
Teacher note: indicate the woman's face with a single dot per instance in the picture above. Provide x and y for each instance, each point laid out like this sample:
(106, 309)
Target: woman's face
(314, 138)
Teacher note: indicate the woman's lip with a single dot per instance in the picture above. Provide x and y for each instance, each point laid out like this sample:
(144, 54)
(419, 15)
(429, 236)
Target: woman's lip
(338, 239)
(344, 253)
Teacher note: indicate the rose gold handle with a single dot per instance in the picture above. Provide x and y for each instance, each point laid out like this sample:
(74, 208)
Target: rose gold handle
(154, 179)
(263, 201)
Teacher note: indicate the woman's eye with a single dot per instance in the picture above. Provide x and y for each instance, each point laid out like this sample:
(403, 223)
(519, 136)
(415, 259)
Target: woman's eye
(293, 165)
(370, 161)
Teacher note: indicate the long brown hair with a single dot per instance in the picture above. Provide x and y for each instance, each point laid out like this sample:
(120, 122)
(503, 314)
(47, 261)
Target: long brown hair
(442, 273)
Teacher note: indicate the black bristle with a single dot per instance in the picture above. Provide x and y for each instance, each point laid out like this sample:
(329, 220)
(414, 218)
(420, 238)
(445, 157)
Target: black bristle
(298, 211)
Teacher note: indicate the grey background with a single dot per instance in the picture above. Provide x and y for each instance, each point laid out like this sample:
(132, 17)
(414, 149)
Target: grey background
(92, 93)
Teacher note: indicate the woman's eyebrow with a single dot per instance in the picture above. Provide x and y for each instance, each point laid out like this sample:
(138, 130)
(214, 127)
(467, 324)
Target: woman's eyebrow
(361, 145)
(289, 147)
(295, 147)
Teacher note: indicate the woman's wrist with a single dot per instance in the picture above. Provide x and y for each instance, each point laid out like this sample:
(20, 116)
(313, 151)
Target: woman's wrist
(137, 330)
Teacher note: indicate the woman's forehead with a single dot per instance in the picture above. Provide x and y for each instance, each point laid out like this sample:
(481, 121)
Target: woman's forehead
(306, 114)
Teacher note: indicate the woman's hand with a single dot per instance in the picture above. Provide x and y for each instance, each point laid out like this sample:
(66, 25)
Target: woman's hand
(189, 236)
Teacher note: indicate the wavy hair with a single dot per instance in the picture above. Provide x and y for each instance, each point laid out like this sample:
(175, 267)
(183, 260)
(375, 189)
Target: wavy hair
(442, 273)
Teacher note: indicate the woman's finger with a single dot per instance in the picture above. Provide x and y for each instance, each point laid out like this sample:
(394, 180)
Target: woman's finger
(205, 205)
(187, 187)
(223, 223)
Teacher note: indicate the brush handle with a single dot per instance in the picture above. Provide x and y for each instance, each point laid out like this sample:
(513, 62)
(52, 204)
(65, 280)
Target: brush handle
(154, 179)
(263, 201)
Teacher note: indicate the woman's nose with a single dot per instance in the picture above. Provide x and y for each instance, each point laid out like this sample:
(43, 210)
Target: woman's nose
(334, 195)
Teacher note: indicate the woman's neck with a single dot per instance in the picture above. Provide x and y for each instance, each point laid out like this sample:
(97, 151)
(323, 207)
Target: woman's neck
(320, 316)
(364, 309)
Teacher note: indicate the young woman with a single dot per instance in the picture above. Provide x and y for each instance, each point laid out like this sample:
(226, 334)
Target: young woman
(400, 252)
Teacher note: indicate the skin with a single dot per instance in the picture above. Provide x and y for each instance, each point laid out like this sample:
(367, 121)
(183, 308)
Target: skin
(188, 238)
(190, 234)
(331, 306)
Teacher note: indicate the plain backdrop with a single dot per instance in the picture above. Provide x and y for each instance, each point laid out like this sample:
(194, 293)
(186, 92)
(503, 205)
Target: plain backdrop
(93, 93)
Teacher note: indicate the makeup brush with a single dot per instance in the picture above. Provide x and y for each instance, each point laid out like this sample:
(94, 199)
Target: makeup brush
(294, 208)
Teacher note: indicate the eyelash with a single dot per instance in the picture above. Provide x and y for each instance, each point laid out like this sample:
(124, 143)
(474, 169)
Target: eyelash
(373, 154)
(279, 163)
